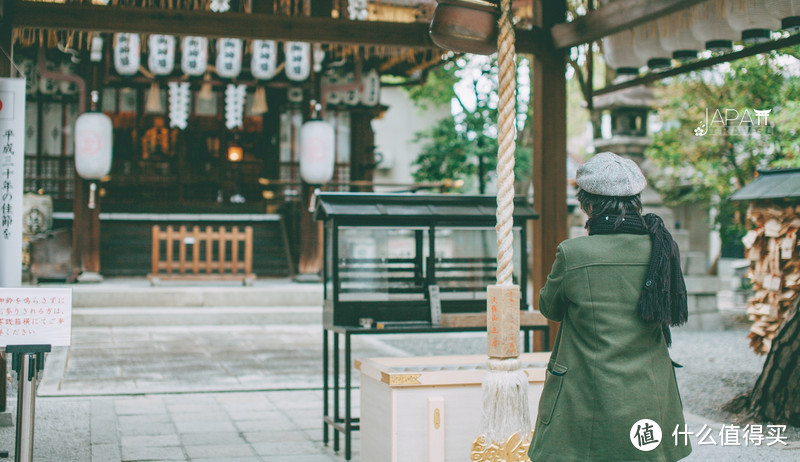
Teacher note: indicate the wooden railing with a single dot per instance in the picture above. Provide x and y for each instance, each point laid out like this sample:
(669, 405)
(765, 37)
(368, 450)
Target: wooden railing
(212, 254)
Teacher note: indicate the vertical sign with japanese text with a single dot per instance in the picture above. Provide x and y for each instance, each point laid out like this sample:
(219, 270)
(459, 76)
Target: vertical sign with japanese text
(34, 316)
(12, 161)
(502, 321)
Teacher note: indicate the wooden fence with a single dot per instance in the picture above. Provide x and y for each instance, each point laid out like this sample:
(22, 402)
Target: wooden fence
(212, 254)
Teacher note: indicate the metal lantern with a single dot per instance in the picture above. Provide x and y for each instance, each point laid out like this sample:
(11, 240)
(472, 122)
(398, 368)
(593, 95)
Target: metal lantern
(467, 26)
(264, 63)
(371, 90)
(317, 143)
(710, 26)
(48, 86)
(298, 60)
(647, 46)
(329, 80)
(619, 54)
(194, 55)
(351, 97)
(67, 87)
(676, 36)
(161, 57)
(229, 57)
(788, 11)
(126, 53)
(752, 19)
(93, 135)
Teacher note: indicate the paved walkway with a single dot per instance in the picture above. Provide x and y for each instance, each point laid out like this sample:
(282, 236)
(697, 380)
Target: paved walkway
(223, 392)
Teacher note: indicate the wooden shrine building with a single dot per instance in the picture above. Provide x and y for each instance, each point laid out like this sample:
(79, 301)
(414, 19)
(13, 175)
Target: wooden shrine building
(165, 174)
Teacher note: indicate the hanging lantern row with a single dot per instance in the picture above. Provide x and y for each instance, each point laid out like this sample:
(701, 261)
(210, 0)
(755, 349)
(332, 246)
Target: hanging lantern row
(34, 83)
(368, 94)
(712, 25)
(228, 61)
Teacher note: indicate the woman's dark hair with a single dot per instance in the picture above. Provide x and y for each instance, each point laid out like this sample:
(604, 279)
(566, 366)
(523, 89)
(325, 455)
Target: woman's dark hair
(596, 205)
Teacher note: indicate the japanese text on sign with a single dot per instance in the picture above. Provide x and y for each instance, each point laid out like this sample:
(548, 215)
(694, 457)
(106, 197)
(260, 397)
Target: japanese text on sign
(33, 316)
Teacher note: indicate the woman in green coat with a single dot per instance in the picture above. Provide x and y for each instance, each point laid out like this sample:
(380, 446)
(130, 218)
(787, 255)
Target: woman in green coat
(610, 392)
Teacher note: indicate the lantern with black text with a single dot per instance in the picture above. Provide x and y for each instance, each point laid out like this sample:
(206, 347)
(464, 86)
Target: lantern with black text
(752, 18)
(126, 53)
(93, 132)
(788, 11)
(316, 151)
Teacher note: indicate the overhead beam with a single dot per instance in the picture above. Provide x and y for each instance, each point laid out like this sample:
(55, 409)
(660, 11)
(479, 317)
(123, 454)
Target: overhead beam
(751, 50)
(611, 18)
(85, 17)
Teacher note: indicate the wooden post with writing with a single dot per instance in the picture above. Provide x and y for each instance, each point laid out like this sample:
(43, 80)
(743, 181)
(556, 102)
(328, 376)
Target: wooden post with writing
(502, 321)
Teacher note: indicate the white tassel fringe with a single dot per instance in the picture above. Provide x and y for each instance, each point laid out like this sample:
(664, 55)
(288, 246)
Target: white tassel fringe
(505, 401)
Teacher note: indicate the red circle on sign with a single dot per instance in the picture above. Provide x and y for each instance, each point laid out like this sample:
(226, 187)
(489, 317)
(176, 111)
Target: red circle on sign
(89, 143)
(1, 104)
(314, 149)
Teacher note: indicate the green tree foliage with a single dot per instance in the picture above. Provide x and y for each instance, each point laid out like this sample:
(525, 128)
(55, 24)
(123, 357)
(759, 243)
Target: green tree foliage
(695, 166)
(463, 147)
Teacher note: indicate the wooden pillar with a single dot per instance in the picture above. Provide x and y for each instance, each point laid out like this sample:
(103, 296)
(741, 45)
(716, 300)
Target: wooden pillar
(86, 221)
(362, 149)
(549, 101)
(310, 259)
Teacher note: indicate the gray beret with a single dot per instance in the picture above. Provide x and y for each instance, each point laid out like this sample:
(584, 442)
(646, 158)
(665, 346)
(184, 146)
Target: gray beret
(607, 174)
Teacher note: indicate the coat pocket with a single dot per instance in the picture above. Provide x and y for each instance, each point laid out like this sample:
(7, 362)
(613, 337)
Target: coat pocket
(552, 388)
(675, 377)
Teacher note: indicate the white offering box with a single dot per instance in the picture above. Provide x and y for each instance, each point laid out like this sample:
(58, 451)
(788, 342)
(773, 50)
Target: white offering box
(429, 408)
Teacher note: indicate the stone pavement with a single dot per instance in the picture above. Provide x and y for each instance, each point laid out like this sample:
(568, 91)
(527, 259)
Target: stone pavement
(157, 389)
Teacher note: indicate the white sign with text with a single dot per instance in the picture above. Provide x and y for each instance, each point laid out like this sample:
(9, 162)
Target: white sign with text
(35, 316)
(12, 155)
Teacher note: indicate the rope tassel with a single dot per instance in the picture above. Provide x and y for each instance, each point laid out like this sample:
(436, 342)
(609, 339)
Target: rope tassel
(505, 422)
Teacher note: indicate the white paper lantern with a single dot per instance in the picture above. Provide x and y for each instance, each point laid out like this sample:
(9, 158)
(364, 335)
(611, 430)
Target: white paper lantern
(298, 60)
(677, 38)
(710, 26)
(317, 146)
(788, 11)
(93, 143)
(264, 63)
(96, 49)
(371, 90)
(126, 53)
(619, 53)
(161, 57)
(752, 19)
(229, 57)
(647, 46)
(194, 55)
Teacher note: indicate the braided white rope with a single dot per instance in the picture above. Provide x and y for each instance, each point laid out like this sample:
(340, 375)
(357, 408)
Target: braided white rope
(506, 118)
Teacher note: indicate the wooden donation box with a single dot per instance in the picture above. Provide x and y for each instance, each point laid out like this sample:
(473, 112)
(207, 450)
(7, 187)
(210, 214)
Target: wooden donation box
(404, 264)
(429, 408)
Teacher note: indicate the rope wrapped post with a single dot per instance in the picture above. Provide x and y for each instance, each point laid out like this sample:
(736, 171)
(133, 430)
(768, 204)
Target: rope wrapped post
(506, 422)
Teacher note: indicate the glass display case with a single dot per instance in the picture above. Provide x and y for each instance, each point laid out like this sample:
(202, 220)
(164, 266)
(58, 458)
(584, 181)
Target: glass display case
(393, 259)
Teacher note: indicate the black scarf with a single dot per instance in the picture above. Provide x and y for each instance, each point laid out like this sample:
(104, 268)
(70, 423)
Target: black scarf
(663, 297)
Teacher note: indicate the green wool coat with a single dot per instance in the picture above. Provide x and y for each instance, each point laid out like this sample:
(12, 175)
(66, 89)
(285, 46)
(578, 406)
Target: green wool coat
(608, 368)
